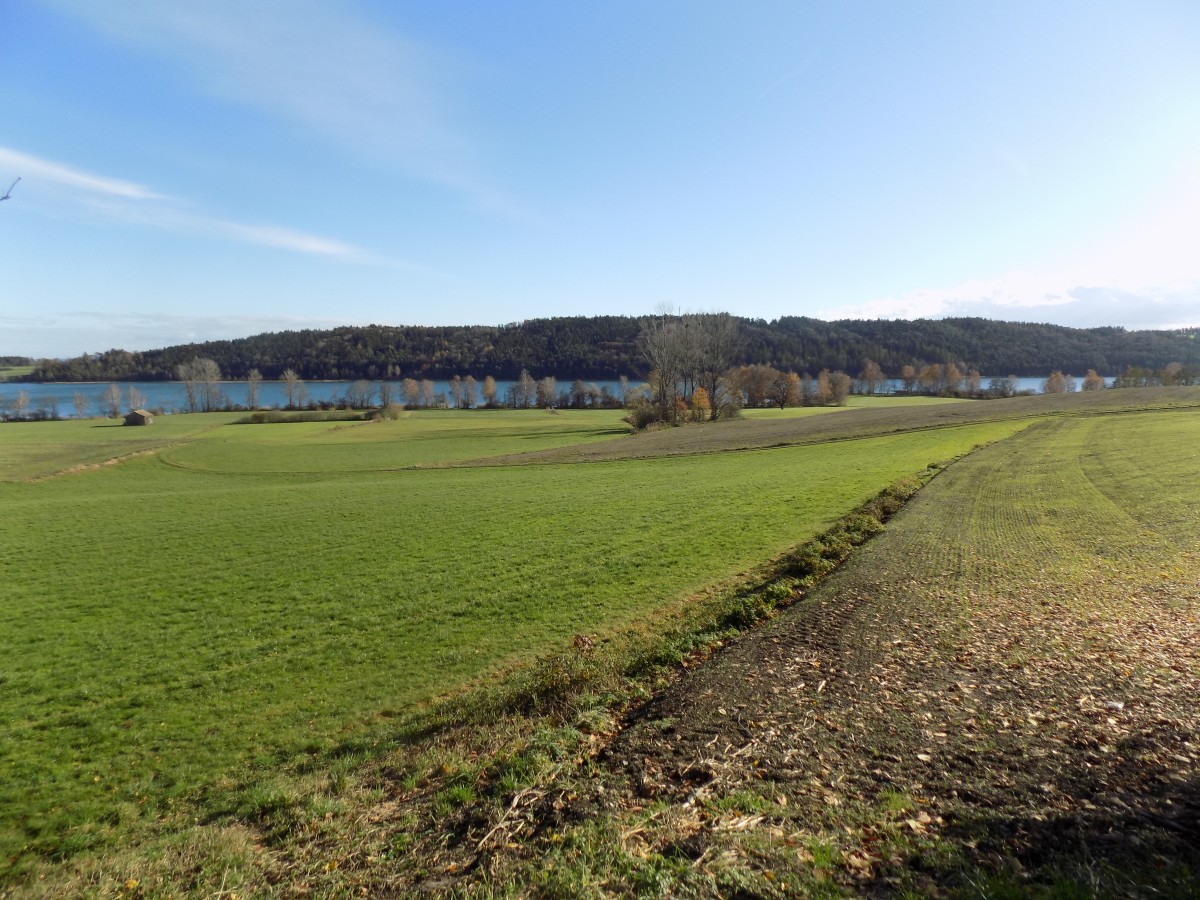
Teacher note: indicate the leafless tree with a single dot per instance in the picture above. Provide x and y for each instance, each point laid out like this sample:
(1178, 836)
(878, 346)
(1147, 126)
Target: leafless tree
(135, 398)
(253, 381)
(665, 348)
(524, 391)
(717, 344)
(291, 387)
(546, 392)
(20, 404)
(428, 399)
(690, 351)
(110, 402)
(80, 402)
(469, 386)
(358, 395)
(201, 379)
(578, 394)
(412, 393)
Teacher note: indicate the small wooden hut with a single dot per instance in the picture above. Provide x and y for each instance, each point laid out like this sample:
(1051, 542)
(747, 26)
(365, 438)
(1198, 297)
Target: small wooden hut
(139, 417)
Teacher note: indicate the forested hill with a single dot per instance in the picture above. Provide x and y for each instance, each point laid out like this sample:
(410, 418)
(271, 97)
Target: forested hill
(606, 347)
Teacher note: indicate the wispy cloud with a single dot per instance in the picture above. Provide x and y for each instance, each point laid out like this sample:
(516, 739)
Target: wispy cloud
(350, 81)
(33, 168)
(73, 190)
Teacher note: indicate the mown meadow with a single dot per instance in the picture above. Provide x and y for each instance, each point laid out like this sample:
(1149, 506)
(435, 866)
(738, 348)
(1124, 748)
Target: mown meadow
(228, 597)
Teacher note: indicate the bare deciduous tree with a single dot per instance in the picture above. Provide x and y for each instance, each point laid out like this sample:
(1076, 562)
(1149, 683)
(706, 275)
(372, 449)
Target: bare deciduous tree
(358, 395)
(201, 383)
(253, 381)
(110, 402)
(546, 392)
(291, 387)
(665, 347)
(80, 402)
(411, 390)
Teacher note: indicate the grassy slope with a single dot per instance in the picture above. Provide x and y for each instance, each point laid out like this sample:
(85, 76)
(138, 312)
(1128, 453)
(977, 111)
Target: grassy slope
(257, 592)
(30, 450)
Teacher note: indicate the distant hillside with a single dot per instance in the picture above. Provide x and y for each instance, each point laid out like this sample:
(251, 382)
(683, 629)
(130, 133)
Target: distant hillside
(605, 347)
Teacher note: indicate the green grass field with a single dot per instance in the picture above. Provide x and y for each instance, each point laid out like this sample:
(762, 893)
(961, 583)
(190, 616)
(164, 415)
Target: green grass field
(226, 599)
(252, 593)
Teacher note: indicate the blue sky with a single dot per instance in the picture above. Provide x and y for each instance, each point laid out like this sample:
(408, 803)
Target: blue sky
(198, 169)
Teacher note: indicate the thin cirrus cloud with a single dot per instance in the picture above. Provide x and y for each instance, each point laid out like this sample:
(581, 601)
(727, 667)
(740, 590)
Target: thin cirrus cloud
(33, 168)
(66, 190)
(352, 83)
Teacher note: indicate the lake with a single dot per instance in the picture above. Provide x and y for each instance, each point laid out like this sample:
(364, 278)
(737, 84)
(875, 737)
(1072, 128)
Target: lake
(58, 399)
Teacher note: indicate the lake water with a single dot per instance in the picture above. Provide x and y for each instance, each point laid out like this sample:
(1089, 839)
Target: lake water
(59, 398)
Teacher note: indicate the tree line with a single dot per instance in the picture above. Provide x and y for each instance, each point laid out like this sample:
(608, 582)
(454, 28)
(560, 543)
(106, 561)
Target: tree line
(607, 347)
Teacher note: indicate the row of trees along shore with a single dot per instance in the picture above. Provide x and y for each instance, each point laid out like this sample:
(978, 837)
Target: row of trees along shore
(691, 400)
(740, 387)
(606, 347)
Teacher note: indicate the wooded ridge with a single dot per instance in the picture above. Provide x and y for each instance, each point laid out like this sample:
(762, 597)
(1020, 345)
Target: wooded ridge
(606, 347)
